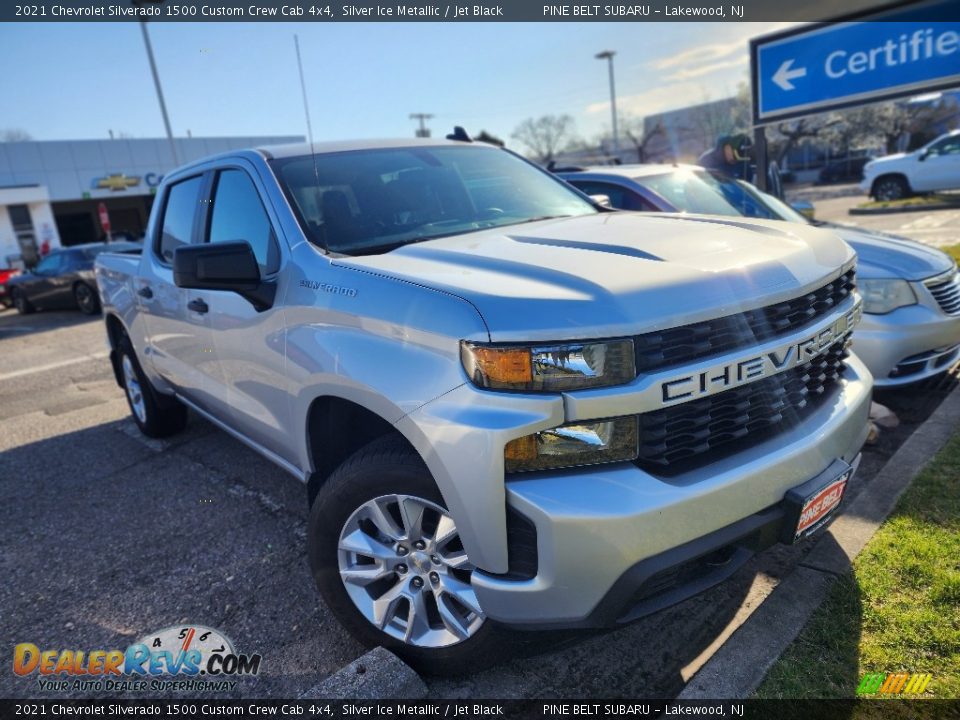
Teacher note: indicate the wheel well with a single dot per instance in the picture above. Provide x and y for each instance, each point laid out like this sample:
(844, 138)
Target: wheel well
(899, 176)
(337, 428)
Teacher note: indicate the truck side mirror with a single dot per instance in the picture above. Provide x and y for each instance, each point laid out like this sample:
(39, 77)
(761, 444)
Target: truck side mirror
(602, 200)
(924, 154)
(223, 266)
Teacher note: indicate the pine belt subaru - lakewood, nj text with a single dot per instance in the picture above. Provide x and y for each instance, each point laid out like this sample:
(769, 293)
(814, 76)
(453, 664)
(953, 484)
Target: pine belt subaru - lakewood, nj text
(510, 406)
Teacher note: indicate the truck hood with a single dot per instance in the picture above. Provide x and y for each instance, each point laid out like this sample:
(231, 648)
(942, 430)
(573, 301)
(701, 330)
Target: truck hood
(616, 274)
(888, 256)
(887, 160)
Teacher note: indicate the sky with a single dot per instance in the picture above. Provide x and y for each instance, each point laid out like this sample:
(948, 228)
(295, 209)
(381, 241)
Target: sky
(80, 80)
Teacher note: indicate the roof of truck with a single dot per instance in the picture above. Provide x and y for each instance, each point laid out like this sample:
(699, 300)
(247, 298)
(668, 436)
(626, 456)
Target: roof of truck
(297, 149)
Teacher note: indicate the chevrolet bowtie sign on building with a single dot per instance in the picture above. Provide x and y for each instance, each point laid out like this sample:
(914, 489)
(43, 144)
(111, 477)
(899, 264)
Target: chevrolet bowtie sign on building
(896, 52)
(116, 182)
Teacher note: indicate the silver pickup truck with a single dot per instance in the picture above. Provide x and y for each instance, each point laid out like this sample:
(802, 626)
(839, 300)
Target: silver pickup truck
(510, 406)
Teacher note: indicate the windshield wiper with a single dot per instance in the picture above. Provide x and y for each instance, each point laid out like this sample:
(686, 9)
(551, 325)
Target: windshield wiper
(536, 219)
(387, 247)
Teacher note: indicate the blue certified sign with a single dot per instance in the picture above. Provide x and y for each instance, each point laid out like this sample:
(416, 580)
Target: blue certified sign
(901, 52)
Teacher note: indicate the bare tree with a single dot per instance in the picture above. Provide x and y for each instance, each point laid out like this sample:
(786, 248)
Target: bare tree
(14, 135)
(545, 136)
(634, 131)
(891, 122)
(788, 134)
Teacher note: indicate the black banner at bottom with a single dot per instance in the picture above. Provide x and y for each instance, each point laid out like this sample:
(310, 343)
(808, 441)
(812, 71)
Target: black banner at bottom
(759, 709)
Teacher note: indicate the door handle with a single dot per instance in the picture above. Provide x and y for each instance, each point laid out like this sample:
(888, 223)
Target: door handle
(198, 306)
(145, 292)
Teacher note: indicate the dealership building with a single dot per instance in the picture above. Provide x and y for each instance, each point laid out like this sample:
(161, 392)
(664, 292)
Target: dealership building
(51, 191)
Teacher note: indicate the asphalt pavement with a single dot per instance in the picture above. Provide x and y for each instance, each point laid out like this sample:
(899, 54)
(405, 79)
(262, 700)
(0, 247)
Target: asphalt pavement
(106, 536)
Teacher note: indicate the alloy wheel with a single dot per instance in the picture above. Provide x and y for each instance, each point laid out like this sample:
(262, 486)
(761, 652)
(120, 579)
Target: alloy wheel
(405, 569)
(134, 391)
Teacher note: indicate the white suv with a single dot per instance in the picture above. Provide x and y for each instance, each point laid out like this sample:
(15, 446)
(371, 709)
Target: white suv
(935, 166)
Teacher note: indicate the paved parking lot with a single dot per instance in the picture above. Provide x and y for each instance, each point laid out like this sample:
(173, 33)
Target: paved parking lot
(939, 228)
(106, 536)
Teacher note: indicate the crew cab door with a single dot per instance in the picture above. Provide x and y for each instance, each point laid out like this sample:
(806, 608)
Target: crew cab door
(249, 343)
(178, 336)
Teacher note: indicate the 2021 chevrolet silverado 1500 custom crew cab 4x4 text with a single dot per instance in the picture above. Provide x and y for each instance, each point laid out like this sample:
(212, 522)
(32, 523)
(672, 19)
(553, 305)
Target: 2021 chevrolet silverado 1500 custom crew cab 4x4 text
(510, 406)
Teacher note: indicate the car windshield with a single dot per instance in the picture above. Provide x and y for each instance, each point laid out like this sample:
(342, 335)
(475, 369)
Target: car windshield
(707, 193)
(370, 201)
(780, 209)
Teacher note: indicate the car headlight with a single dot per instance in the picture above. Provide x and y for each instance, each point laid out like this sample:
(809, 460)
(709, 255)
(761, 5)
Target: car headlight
(581, 443)
(553, 368)
(883, 296)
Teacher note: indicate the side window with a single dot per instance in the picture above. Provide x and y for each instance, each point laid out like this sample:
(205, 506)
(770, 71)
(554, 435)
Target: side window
(50, 265)
(238, 214)
(177, 228)
(620, 198)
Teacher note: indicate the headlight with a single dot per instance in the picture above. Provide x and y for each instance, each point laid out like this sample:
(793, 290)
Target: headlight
(552, 368)
(883, 296)
(582, 443)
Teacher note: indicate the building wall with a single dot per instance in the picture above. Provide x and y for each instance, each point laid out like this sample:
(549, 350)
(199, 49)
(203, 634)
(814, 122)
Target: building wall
(76, 175)
(41, 215)
(75, 169)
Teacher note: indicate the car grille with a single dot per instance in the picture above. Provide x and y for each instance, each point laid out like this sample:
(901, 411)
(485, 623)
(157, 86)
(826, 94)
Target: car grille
(947, 294)
(675, 439)
(663, 349)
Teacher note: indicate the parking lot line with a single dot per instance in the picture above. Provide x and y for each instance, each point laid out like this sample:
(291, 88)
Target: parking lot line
(53, 365)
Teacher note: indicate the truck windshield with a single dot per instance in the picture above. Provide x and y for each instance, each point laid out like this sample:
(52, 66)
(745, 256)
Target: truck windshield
(370, 201)
(700, 191)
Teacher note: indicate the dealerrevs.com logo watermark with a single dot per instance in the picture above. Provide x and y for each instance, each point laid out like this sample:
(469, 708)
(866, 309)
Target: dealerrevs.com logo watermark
(189, 658)
(894, 683)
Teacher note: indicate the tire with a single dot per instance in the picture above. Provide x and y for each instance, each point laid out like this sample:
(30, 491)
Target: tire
(387, 472)
(156, 415)
(891, 187)
(86, 298)
(20, 302)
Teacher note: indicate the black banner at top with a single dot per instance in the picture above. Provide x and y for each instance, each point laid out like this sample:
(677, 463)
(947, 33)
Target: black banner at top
(430, 10)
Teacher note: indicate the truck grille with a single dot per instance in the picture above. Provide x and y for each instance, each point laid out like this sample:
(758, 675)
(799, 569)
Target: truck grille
(658, 350)
(674, 439)
(947, 294)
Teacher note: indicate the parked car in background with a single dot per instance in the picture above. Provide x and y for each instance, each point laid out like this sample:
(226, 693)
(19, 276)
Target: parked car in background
(850, 170)
(63, 279)
(5, 275)
(911, 323)
(935, 166)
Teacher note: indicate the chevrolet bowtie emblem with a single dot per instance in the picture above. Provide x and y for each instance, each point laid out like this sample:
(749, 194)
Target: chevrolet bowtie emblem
(116, 182)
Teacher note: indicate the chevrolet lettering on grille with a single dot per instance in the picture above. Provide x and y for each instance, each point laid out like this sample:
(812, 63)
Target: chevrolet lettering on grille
(760, 365)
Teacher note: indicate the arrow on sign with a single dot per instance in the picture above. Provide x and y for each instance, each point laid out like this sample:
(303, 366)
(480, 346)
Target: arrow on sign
(784, 75)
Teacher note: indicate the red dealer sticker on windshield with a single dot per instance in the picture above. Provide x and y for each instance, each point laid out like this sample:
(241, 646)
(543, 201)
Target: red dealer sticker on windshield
(817, 507)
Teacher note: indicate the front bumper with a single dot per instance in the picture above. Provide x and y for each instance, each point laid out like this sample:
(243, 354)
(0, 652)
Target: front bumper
(909, 344)
(594, 525)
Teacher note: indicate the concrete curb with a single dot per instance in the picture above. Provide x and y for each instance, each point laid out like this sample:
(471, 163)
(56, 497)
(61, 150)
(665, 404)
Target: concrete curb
(741, 664)
(375, 675)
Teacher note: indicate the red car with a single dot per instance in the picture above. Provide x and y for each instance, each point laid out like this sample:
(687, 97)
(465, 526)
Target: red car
(6, 274)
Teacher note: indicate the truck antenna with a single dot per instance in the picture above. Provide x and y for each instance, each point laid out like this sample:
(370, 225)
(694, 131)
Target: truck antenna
(306, 111)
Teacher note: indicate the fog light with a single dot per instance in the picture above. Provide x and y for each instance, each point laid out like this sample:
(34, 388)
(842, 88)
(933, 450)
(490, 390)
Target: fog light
(582, 443)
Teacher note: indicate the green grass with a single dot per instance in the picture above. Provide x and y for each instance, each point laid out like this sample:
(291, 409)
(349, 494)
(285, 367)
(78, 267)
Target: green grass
(932, 202)
(898, 610)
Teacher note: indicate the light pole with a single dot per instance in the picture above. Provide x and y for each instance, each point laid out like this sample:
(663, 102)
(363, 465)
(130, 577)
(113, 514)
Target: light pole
(423, 131)
(156, 83)
(608, 56)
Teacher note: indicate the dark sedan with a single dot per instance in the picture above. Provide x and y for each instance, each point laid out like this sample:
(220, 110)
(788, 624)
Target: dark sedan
(63, 279)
